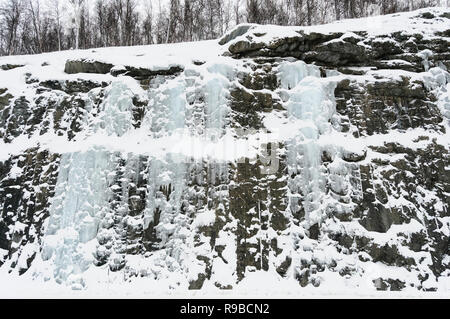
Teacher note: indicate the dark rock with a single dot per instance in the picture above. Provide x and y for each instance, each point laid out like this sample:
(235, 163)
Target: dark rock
(389, 255)
(381, 105)
(143, 73)
(353, 156)
(389, 284)
(427, 15)
(72, 87)
(5, 99)
(38, 168)
(378, 219)
(7, 67)
(284, 266)
(197, 284)
(314, 232)
(87, 66)
(337, 53)
(198, 62)
(383, 47)
(417, 241)
(244, 46)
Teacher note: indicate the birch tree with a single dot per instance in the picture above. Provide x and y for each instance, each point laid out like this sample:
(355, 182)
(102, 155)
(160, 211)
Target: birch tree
(76, 19)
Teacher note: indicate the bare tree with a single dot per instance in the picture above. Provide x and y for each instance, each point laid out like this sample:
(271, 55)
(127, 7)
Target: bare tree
(147, 26)
(174, 22)
(130, 22)
(237, 13)
(11, 13)
(299, 16)
(188, 23)
(254, 14)
(57, 16)
(77, 6)
(226, 16)
(309, 11)
(35, 14)
(337, 9)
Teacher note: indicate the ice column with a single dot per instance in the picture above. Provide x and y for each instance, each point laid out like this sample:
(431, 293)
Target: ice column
(216, 92)
(82, 195)
(217, 108)
(310, 106)
(167, 106)
(166, 115)
(196, 100)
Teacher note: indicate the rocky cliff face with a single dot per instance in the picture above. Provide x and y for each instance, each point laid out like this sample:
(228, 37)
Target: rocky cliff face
(316, 156)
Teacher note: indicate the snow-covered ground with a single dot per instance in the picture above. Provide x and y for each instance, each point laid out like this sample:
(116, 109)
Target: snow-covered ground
(257, 285)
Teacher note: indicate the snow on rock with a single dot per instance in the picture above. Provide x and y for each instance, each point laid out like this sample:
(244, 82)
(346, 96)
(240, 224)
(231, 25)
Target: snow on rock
(300, 160)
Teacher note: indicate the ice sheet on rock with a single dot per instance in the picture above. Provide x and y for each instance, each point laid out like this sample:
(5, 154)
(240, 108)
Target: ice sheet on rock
(437, 79)
(425, 55)
(116, 114)
(167, 106)
(81, 194)
(165, 176)
(81, 200)
(207, 92)
(173, 254)
(171, 109)
(216, 102)
(193, 104)
(310, 104)
(166, 115)
(291, 73)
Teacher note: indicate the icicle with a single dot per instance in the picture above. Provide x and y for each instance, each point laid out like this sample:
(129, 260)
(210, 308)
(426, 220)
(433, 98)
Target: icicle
(310, 104)
(216, 92)
(425, 55)
(167, 114)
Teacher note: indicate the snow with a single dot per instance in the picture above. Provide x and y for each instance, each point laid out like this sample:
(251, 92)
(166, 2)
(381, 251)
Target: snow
(407, 23)
(206, 218)
(269, 286)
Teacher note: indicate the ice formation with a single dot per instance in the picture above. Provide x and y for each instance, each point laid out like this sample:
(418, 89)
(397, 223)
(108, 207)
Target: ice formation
(81, 196)
(310, 104)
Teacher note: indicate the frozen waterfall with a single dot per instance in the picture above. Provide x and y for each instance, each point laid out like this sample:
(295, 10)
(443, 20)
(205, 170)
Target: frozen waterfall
(193, 104)
(310, 105)
(80, 201)
(81, 196)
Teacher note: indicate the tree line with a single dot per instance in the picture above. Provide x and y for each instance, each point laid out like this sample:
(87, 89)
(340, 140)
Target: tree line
(29, 27)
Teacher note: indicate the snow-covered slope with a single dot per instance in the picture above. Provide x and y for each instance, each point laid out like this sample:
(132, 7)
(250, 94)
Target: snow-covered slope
(277, 160)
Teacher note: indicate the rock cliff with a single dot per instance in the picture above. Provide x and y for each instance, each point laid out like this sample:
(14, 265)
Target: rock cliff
(317, 156)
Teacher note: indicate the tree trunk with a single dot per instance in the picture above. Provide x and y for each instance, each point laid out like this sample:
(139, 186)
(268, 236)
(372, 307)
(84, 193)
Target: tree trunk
(337, 10)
